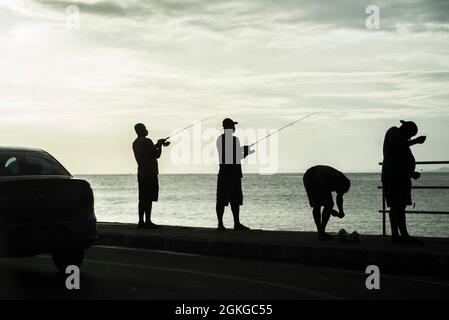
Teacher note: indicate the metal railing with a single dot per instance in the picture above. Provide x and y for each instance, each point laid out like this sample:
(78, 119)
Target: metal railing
(384, 210)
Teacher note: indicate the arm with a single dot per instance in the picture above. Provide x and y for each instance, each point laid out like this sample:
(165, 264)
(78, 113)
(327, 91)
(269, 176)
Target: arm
(239, 150)
(340, 203)
(419, 140)
(243, 151)
(155, 149)
(247, 151)
(219, 146)
(397, 138)
(158, 147)
(158, 151)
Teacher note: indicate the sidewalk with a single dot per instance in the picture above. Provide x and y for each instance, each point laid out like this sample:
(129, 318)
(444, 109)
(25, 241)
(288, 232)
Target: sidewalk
(430, 258)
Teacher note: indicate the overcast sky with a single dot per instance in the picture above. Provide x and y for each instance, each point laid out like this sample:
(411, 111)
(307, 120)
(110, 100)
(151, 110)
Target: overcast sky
(78, 93)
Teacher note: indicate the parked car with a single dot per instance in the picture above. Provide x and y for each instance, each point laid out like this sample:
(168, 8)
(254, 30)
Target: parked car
(43, 209)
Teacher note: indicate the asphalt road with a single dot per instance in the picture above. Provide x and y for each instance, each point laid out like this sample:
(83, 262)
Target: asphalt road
(123, 273)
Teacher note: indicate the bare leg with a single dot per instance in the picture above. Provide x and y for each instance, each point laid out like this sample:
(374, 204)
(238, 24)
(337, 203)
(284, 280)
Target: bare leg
(394, 223)
(402, 225)
(401, 222)
(220, 212)
(325, 218)
(148, 208)
(236, 214)
(141, 212)
(317, 217)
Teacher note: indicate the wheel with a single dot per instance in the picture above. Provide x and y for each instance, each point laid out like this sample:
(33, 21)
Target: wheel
(62, 259)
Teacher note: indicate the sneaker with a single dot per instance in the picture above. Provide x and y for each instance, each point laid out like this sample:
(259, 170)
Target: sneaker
(241, 227)
(411, 240)
(353, 237)
(140, 225)
(342, 234)
(396, 239)
(324, 236)
(151, 225)
(221, 227)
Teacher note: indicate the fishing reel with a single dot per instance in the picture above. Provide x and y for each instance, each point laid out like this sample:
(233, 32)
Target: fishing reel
(247, 150)
(163, 142)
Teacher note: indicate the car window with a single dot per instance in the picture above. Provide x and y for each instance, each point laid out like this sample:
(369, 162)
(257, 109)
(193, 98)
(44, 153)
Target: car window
(29, 163)
(12, 165)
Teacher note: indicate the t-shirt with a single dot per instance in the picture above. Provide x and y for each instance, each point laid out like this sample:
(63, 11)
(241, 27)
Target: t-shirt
(146, 155)
(230, 154)
(326, 178)
(398, 158)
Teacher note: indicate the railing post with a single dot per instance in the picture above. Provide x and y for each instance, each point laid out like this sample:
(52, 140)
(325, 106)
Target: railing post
(384, 202)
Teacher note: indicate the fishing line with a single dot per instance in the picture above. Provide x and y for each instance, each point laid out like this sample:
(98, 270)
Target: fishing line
(284, 127)
(189, 126)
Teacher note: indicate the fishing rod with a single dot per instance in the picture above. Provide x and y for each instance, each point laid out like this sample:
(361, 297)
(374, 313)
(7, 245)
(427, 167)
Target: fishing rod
(282, 128)
(189, 126)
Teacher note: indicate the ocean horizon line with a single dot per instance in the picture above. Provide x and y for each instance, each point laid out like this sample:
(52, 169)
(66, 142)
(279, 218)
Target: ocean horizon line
(249, 173)
(209, 173)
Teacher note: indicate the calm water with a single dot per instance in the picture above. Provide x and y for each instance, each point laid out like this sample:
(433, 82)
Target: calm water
(277, 202)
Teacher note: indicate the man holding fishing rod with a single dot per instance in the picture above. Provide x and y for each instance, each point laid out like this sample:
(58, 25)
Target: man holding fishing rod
(229, 184)
(146, 154)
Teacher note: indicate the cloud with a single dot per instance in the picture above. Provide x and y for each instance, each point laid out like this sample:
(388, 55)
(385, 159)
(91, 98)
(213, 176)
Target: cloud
(221, 15)
(104, 8)
(263, 61)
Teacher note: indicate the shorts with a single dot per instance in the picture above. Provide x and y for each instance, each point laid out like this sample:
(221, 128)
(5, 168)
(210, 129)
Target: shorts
(148, 188)
(319, 195)
(397, 190)
(229, 190)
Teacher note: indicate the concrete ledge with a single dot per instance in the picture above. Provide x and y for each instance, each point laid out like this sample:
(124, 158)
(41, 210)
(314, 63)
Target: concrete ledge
(430, 258)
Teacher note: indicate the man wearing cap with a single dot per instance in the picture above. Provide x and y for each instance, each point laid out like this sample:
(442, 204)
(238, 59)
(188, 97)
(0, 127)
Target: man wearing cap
(146, 154)
(398, 169)
(229, 184)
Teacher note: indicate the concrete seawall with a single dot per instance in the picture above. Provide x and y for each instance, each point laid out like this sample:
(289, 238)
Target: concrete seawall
(430, 258)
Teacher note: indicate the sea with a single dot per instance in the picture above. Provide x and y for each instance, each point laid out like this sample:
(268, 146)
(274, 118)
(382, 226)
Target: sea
(271, 202)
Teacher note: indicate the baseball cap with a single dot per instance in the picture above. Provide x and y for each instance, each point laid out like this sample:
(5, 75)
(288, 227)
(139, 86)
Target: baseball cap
(411, 127)
(229, 123)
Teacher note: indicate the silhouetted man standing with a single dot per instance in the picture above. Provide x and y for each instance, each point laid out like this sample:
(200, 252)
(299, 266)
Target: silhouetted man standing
(397, 170)
(146, 154)
(320, 182)
(229, 184)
